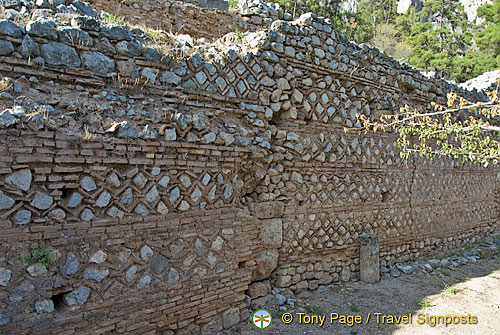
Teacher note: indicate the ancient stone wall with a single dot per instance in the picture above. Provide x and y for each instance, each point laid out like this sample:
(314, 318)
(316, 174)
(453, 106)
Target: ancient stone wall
(169, 184)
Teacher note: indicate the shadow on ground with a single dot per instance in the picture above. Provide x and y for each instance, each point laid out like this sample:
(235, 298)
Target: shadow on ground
(469, 290)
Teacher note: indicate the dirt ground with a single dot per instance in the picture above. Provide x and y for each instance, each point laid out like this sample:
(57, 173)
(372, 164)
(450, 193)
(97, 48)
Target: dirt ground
(469, 290)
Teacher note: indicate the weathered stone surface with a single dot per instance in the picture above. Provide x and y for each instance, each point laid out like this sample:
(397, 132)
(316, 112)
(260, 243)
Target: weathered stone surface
(268, 302)
(57, 215)
(7, 118)
(11, 29)
(21, 179)
(99, 257)
(42, 27)
(103, 199)
(184, 206)
(22, 217)
(444, 263)
(158, 264)
(6, 48)
(70, 267)
(36, 122)
(84, 8)
(152, 55)
(5, 275)
(152, 194)
(37, 270)
(369, 259)
(150, 74)
(58, 54)
(146, 253)
(44, 306)
(131, 273)
(114, 32)
(268, 210)
(141, 210)
(406, 269)
(231, 317)
(6, 202)
(77, 297)
(128, 49)
(42, 201)
(85, 22)
(208, 138)
(126, 130)
(266, 263)
(87, 215)
(173, 276)
(257, 289)
(74, 36)
(95, 274)
(272, 233)
(435, 263)
(213, 327)
(127, 68)
(75, 200)
(143, 282)
(170, 134)
(345, 274)
(170, 78)
(88, 184)
(98, 63)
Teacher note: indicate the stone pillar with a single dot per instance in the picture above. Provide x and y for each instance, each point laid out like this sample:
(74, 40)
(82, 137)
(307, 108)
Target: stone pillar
(369, 268)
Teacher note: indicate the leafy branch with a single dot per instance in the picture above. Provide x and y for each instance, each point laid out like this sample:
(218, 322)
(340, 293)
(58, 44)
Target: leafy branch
(459, 130)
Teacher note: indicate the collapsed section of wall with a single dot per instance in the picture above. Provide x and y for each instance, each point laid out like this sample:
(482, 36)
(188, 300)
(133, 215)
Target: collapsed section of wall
(145, 189)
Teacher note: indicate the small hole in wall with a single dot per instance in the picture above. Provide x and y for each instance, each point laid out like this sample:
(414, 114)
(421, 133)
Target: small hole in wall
(66, 192)
(385, 196)
(241, 265)
(301, 202)
(58, 300)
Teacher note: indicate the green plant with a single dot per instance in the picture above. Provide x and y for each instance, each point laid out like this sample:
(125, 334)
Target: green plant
(451, 289)
(233, 3)
(460, 279)
(39, 255)
(423, 304)
(354, 309)
(468, 246)
(314, 310)
(446, 272)
(112, 19)
(241, 34)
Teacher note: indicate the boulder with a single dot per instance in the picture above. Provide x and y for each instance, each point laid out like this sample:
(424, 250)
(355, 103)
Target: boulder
(74, 36)
(98, 63)
(11, 29)
(266, 263)
(6, 48)
(58, 54)
(42, 27)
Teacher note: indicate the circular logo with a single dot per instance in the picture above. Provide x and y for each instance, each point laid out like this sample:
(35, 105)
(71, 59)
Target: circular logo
(261, 319)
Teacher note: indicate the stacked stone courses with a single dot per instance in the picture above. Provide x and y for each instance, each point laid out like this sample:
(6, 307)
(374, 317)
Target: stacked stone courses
(237, 171)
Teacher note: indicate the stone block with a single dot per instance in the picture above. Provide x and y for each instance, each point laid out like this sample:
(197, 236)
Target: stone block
(266, 263)
(272, 233)
(369, 266)
(268, 210)
(257, 290)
